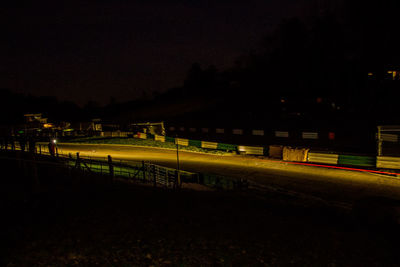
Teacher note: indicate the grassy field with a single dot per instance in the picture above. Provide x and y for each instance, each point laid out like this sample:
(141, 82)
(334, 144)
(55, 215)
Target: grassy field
(140, 142)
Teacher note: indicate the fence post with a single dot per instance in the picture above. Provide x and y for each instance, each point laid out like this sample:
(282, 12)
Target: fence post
(167, 177)
(154, 175)
(57, 152)
(40, 149)
(176, 182)
(111, 168)
(144, 171)
(78, 161)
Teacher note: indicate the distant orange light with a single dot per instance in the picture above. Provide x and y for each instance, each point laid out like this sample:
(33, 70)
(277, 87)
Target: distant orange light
(47, 125)
(370, 74)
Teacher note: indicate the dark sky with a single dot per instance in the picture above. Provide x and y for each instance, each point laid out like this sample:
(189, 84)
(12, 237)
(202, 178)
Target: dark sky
(97, 49)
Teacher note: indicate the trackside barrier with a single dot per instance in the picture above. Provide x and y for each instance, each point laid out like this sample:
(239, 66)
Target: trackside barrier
(227, 147)
(142, 135)
(251, 150)
(169, 139)
(324, 158)
(281, 134)
(352, 160)
(258, 132)
(182, 142)
(195, 143)
(159, 138)
(390, 137)
(295, 154)
(204, 144)
(309, 135)
(388, 162)
(115, 134)
(210, 145)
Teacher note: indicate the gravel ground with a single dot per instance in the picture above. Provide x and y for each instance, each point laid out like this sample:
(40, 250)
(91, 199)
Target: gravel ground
(130, 225)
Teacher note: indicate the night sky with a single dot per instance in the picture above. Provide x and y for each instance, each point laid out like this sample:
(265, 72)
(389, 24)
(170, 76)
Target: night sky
(97, 49)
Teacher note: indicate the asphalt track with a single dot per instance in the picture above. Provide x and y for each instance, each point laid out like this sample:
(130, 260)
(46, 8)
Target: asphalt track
(321, 182)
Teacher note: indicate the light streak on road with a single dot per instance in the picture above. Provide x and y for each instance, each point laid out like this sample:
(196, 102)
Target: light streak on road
(315, 179)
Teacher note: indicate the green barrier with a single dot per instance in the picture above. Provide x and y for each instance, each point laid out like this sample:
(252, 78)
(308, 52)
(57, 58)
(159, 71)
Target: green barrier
(363, 161)
(195, 143)
(230, 147)
(169, 139)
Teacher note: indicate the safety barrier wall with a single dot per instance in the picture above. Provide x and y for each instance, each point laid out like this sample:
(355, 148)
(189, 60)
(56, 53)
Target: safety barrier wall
(287, 153)
(388, 162)
(115, 134)
(255, 132)
(251, 150)
(362, 161)
(182, 142)
(324, 158)
(210, 145)
(248, 150)
(222, 146)
(195, 143)
(142, 135)
(309, 135)
(160, 138)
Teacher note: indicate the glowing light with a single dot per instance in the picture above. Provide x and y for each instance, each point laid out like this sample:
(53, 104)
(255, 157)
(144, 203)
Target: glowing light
(54, 141)
(340, 168)
(393, 72)
(47, 125)
(370, 74)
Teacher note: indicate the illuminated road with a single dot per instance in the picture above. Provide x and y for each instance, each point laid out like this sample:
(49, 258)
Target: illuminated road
(321, 182)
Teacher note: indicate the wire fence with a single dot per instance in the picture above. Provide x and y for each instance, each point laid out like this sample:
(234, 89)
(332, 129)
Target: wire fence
(140, 172)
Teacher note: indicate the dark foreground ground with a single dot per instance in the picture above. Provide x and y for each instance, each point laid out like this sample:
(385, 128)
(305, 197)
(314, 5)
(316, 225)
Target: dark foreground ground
(84, 224)
(137, 226)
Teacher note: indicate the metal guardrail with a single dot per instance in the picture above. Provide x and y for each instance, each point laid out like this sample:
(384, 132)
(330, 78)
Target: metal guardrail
(309, 135)
(251, 150)
(209, 145)
(385, 162)
(354, 160)
(324, 158)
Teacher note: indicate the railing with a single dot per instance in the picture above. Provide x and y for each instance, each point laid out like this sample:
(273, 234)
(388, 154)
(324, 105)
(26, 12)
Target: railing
(141, 172)
(131, 171)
